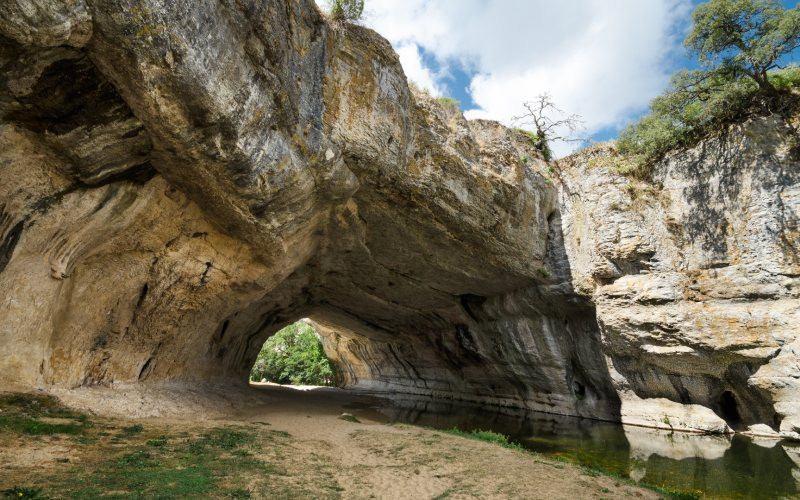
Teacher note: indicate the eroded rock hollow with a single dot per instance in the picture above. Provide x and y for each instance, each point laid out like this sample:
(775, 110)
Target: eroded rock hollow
(179, 180)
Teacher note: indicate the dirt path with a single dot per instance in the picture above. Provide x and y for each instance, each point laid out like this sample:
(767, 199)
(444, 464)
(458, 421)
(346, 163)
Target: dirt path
(309, 450)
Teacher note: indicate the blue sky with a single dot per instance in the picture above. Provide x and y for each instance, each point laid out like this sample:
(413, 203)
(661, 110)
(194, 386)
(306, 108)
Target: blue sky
(602, 59)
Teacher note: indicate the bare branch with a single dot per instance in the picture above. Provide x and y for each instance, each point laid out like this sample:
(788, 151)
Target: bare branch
(548, 121)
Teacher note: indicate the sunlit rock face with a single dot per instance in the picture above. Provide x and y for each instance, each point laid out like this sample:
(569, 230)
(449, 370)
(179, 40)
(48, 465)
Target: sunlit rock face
(696, 279)
(182, 179)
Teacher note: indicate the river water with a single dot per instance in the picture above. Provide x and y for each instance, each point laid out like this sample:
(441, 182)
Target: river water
(718, 466)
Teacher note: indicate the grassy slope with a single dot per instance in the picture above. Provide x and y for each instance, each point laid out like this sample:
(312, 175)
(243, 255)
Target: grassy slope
(103, 458)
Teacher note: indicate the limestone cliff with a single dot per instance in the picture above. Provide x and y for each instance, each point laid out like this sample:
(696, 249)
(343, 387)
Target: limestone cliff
(696, 276)
(182, 179)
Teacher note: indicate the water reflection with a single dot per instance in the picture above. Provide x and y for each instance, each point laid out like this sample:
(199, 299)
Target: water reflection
(719, 466)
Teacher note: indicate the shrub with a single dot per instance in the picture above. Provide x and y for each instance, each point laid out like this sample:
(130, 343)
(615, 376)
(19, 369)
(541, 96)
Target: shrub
(449, 103)
(696, 102)
(347, 10)
(542, 146)
(688, 112)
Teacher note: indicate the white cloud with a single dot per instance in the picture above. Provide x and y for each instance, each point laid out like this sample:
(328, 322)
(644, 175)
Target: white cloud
(602, 59)
(416, 71)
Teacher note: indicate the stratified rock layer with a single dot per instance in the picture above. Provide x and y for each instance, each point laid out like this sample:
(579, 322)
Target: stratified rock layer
(696, 277)
(182, 179)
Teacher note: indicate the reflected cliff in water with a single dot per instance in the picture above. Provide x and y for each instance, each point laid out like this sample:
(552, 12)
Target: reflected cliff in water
(719, 466)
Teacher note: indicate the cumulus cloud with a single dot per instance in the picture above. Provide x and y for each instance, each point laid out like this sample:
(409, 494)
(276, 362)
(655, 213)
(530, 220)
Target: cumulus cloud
(602, 59)
(415, 69)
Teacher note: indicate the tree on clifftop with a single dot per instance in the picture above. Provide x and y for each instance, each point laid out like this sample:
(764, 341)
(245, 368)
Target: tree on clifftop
(740, 44)
(744, 37)
(549, 123)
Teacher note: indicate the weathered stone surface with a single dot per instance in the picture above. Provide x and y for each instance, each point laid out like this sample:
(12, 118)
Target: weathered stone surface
(185, 178)
(46, 23)
(696, 280)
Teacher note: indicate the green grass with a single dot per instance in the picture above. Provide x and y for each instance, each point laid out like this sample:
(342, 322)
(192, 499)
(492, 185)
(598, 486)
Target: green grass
(148, 480)
(217, 462)
(159, 442)
(137, 459)
(349, 418)
(444, 494)
(23, 492)
(23, 414)
(129, 462)
(36, 405)
(224, 439)
(133, 429)
(486, 436)
(173, 467)
(27, 425)
(83, 440)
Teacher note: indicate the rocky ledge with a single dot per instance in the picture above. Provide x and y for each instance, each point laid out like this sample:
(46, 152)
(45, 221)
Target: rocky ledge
(182, 179)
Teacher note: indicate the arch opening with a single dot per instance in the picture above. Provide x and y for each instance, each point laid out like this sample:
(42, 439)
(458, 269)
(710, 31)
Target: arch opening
(294, 355)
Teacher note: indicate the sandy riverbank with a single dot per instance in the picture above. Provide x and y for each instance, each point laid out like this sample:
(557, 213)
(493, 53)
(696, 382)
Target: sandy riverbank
(322, 455)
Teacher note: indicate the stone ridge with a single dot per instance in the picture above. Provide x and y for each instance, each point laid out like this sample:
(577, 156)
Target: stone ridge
(182, 179)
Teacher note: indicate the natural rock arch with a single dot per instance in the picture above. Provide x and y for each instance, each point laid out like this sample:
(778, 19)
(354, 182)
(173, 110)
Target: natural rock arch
(179, 183)
(198, 202)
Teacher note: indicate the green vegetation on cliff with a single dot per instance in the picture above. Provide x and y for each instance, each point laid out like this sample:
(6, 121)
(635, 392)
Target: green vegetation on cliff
(740, 44)
(449, 103)
(347, 10)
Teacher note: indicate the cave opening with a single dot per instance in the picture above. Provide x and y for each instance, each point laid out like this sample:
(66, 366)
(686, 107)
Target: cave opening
(579, 390)
(294, 355)
(728, 408)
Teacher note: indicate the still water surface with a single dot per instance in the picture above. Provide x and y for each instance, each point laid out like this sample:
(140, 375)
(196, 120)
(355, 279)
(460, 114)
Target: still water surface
(718, 466)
